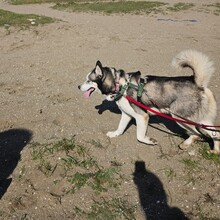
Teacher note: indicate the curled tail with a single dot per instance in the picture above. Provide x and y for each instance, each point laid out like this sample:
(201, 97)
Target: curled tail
(200, 64)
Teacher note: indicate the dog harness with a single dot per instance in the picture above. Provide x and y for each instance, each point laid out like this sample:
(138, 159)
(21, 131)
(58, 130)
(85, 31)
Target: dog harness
(139, 88)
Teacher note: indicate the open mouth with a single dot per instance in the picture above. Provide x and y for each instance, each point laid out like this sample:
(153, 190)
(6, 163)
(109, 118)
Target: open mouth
(89, 92)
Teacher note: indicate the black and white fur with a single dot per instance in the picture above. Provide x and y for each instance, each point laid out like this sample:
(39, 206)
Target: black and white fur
(185, 96)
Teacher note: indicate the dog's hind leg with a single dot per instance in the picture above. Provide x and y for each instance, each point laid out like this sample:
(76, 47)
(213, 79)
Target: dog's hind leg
(216, 139)
(142, 124)
(215, 135)
(191, 139)
(125, 119)
(193, 136)
(211, 133)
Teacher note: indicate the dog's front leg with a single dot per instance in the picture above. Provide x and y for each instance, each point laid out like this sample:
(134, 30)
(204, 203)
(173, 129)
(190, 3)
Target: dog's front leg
(142, 124)
(125, 119)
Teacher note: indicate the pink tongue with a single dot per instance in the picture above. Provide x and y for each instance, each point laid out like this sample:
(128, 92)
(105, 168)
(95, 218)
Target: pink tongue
(88, 93)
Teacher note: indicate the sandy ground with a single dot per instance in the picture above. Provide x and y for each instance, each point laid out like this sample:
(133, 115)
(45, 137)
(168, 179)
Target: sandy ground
(41, 68)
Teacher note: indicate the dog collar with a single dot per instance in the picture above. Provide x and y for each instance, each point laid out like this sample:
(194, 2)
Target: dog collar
(117, 87)
(121, 92)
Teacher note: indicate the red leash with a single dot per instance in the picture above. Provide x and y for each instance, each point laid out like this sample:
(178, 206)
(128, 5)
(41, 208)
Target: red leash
(168, 116)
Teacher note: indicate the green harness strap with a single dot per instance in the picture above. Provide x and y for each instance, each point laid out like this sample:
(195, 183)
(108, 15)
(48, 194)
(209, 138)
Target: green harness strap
(121, 92)
(139, 88)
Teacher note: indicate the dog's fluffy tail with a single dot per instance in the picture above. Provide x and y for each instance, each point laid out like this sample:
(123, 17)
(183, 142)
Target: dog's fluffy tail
(200, 64)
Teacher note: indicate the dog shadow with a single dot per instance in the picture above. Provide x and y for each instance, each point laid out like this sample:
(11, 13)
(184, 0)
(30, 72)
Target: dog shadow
(153, 198)
(11, 144)
(173, 127)
(108, 105)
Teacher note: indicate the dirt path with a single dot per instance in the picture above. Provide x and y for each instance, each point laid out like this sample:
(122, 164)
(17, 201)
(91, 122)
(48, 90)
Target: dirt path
(40, 70)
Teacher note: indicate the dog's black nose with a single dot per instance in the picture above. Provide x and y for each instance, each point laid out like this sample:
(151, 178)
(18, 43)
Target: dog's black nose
(79, 87)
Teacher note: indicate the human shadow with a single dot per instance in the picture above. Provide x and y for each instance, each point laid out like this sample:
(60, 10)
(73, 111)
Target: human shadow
(11, 144)
(152, 195)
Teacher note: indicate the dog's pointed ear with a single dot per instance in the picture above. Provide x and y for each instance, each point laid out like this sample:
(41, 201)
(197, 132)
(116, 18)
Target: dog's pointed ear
(137, 76)
(98, 63)
(98, 69)
(138, 73)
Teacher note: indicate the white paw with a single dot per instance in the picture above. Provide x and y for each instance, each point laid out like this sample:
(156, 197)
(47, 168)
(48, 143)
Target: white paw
(152, 141)
(147, 140)
(183, 146)
(217, 152)
(112, 134)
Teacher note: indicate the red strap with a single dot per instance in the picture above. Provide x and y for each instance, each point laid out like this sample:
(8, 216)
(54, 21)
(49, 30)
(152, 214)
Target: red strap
(167, 116)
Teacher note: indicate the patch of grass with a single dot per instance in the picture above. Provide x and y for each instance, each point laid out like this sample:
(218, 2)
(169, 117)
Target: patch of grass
(77, 159)
(217, 5)
(71, 161)
(78, 180)
(100, 180)
(204, 150)
(47, 167)
(75, 156)
(105, 6)
(67, 145)
(122, 7)
(115, 208)
(39, 151)
(21, 2)
(71, 167)
(180, 6)
(170, 173)
(190, 164)
(105, 178)
(20, 20)
(216, 8)
(191, 168)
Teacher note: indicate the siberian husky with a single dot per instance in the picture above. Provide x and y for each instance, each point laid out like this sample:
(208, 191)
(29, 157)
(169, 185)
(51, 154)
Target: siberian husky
(183, 96)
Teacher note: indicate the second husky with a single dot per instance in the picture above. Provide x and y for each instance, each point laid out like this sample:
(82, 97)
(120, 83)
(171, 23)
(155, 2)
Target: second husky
(184, 96)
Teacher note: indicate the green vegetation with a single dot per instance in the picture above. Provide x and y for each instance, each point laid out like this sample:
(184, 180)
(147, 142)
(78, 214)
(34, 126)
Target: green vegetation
(112, 7)
(98, 178)
(100, 181)
(191, 168)
(190, 164)
(180, 6)
(121, 6)
(170, 173)
(115, 208)
(209, 156)
(70, 169)
(81, 170)
(216, 7)
(22, 2)
(98, 5)
(20, 20)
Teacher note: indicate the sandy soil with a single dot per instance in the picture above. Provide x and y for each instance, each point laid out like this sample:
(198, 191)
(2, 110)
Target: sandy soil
(40, 102)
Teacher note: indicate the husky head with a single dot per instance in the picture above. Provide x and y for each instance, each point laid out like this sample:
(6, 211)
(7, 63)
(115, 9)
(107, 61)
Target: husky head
(101, 79)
